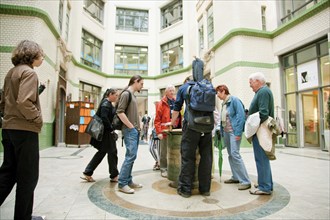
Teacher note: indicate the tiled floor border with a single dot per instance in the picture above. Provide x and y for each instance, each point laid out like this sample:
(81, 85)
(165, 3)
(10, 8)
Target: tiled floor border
(109, 201)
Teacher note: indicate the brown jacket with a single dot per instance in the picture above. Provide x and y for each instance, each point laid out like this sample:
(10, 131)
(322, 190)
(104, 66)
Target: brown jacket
(20, 100)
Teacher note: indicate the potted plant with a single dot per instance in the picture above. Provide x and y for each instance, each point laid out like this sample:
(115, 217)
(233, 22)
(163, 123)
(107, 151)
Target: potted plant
(327, 126)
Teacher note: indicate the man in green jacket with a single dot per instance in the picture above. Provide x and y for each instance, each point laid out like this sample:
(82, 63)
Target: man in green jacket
(262, 102)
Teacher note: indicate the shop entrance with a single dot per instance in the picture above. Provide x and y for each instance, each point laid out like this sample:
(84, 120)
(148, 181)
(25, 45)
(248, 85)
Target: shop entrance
(311, 125)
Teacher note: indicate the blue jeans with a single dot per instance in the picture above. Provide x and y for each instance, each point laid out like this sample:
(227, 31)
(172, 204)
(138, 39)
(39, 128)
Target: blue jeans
(235, 160)
(265, 179)
(131, 139)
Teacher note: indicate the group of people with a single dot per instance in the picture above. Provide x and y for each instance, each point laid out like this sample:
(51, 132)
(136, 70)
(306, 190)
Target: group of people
(22, 121)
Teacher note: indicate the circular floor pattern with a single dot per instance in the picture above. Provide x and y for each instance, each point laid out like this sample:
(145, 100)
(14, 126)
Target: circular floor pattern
(156, 200)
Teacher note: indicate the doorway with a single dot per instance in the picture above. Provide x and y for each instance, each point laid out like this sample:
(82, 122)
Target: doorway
(311, 125)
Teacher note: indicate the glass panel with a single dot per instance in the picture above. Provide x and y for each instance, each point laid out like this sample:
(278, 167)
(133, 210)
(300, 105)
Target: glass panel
(131, 60)
(132, 20)
(325, 70)
(210, 28)
(324, 48)
(326, 107)
(288, 61)
(172, 59)
(326, 115)
(292, 119)
(91, 51)
(201, 35)
(94, 8)
(171, 14)
(306, 55)
(310, 118)
(290, 80)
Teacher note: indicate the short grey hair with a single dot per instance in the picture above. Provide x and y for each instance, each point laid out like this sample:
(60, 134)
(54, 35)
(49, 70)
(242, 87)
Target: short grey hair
(168, 87)
(258, 76)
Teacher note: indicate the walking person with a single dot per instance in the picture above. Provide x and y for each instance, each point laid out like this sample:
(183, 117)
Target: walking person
(232, 120)
(162, 121)
(262, 102)
(127, 111)
(154, 145)
(22, 121)
(107, 145)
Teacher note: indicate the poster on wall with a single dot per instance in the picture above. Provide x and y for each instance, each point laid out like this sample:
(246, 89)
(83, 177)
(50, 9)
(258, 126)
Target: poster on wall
(307, 75)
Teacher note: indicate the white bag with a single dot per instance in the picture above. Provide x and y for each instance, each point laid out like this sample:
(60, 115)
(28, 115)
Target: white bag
(251, 125)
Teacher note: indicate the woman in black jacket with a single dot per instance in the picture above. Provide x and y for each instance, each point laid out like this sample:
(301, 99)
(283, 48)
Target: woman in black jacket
(108, 144)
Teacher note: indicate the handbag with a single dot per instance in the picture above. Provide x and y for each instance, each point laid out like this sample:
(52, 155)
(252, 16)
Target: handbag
(95, 128)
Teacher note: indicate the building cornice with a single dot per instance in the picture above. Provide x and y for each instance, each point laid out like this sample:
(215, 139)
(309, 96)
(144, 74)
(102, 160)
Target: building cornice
(35, 12)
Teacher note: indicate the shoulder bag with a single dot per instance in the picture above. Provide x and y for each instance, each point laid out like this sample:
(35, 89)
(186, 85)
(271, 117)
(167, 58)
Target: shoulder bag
(95, 128)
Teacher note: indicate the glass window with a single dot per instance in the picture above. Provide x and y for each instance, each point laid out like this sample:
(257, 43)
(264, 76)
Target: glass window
(292, 119)
(60, 15)
(91, 50)
(263, 17)
(131, 60)
(306, 55)
(288, 61)
(132, 20)
(325, 70)
(324, 48)
(326, 108)
(292, 8)
(290, 80)
(210, 27)
(201, 35)
(172, 55)
(67, 24)
(171, 13)
(89, 93)
(95, 8)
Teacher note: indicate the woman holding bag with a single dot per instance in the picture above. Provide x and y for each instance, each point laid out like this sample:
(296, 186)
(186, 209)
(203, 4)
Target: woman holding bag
(232, 120)
(107, 145)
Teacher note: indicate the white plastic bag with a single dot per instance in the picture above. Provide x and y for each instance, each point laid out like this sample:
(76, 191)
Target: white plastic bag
(251, 125)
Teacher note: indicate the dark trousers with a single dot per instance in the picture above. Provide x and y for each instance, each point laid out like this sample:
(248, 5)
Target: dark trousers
(21, 166)
(189, 143)
(97, 159)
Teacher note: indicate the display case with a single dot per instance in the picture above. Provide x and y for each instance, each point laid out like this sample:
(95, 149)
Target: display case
(78, 115)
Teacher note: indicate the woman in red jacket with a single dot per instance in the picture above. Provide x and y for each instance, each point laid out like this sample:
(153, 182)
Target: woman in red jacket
(162, 122)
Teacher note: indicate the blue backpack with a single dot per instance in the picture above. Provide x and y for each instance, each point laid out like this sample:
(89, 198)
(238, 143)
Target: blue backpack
(200, 106)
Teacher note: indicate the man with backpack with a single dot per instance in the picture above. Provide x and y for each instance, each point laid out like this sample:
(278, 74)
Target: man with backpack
(196, 133)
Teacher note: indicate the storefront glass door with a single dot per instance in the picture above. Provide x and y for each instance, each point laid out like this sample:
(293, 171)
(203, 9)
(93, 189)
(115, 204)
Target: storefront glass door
(311, 127)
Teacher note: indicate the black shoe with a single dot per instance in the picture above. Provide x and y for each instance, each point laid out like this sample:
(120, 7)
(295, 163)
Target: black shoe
(230, 181)
(184, 194)
(205, 193)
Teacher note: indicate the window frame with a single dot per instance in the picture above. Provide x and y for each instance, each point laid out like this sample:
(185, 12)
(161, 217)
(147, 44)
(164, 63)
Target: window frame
(170, 9)
(93, 60)
(126, 53)
(98, 14)
(165, 50)
(140, 14)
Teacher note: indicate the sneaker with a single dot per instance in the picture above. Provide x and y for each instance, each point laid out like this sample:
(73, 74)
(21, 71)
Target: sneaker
(126, 189)
(244, 186)
(38, 217)
(183, 194)
(163, 173)
(135, 185)
(229, 181)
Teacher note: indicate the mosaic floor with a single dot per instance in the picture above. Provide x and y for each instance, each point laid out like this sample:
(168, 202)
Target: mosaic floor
(157, 200)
